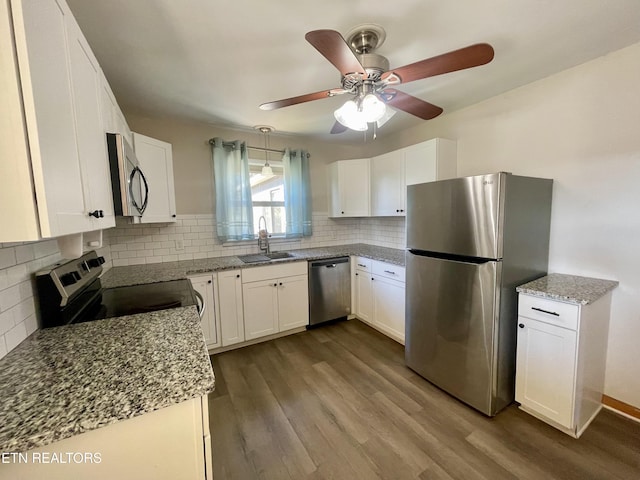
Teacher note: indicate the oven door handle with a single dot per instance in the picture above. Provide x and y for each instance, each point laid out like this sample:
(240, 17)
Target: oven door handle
(201, 304)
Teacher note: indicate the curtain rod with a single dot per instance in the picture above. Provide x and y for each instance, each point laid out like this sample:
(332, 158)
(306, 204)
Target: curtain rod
(231, 144)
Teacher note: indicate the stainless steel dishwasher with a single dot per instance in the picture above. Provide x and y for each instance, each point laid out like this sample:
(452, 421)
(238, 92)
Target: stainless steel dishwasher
(329, 290)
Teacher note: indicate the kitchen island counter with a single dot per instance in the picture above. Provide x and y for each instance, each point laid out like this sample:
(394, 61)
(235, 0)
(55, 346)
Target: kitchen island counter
(67, 380)
(160, 272)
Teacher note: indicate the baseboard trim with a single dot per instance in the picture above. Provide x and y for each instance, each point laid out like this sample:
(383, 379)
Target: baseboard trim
(621, 407)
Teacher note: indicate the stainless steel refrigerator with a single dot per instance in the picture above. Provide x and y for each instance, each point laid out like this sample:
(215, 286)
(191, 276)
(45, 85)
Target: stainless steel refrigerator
(470, 242)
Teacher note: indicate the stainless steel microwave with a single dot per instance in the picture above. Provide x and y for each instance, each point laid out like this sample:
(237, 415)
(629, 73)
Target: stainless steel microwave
(130, 188)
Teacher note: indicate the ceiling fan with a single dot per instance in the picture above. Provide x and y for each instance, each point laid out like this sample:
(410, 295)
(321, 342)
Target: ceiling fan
(366, 76)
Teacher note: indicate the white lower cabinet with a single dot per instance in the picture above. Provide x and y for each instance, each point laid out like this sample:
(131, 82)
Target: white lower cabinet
(388, 306)
(205, 285)
(379, 296)
(166, 444)
(260, 308)
(275, 299)
(560, 360)
(229, 303)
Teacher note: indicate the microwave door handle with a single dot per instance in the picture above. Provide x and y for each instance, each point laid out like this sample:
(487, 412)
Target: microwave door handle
(142, 207)
(146, 191)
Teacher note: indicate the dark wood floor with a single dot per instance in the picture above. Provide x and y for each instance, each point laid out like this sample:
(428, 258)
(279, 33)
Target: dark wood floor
(338, 403)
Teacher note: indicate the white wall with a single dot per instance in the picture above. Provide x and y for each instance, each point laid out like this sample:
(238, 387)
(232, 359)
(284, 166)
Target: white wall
(580, 127)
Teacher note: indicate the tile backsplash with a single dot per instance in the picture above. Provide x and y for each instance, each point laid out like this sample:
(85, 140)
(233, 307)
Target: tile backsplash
(193, 237)
(190, 237)
(18, 264)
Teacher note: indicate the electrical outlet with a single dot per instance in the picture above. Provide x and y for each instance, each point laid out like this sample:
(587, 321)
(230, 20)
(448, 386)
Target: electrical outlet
(180, 244)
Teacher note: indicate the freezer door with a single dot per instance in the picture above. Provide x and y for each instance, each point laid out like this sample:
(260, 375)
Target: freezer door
(461, 216)
(451, 317)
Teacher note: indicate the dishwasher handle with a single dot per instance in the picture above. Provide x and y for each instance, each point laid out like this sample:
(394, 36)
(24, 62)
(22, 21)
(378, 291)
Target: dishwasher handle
(329, 263)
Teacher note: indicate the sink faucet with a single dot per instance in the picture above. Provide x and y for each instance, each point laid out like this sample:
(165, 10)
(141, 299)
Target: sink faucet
(263, 235)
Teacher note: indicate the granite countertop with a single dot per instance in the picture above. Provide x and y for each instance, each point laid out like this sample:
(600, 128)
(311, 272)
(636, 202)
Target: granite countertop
(161, 272)
(64, 381)
(568, 288)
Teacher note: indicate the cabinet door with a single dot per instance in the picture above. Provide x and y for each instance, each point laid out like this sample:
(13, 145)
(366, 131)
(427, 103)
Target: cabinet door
(429, 161)
(387, 185)
(260, 303)
(156, 161)
(91, 141)
(230, 307)
(41, 42)
(113, 118)
(354, 188)
(293, 302)
(545, 370)
(364, 297)
(389, 302)
(204, 286)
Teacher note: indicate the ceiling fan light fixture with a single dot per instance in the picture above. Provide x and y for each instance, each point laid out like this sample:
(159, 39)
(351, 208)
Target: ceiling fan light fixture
(351, 117)
(388, 113)
(373, 108)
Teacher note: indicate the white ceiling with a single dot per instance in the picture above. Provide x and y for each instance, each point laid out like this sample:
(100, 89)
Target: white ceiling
(217, 60)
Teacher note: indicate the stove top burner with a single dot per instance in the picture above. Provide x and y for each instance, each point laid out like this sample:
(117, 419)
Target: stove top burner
(87, 301)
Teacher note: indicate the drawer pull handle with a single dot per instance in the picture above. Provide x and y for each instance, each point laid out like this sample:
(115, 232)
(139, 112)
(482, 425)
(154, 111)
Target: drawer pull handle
(545, 311)
(521, 325)
(390, 272)
(361, 265)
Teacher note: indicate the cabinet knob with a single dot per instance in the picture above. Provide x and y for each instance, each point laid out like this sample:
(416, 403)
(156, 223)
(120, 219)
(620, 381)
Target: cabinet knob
(275, 284)
(238, 275)
(372, 279)
(356, 274)
(521, 325)
(280, 283)
(174, 215)
(343, 213)
(210, 281)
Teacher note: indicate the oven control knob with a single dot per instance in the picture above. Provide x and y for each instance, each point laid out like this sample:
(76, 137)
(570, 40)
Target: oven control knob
(68, 278)
(95, 262)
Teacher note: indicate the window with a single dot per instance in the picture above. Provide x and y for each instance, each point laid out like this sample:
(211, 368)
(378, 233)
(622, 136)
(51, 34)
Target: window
(267, 197)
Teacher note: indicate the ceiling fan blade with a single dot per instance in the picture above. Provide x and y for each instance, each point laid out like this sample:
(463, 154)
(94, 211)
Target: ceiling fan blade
(472, 56)
(295, 100)
(410, 104)
(338, 128)
(334, 48)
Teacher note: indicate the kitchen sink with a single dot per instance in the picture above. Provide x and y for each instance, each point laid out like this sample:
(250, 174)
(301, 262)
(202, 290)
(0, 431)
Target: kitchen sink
(264, 257)
(278, 255)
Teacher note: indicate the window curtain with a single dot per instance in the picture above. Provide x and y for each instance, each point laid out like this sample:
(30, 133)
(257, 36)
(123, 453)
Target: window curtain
(234, 212)
(297, 193)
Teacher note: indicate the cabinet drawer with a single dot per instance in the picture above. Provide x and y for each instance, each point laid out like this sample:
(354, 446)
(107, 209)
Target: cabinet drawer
(388, 270)
(363, 264)
(549, 311)
(273, 271)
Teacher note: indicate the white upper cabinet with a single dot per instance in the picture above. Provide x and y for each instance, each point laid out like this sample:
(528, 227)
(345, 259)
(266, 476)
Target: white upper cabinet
(156, 161)
(53, 148)
(387, 185)
(349, 188)
(391, 173)
(113, 118)
(92, 149)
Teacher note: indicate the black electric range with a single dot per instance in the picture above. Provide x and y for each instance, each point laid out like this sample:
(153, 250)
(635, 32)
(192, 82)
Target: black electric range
(71, 292)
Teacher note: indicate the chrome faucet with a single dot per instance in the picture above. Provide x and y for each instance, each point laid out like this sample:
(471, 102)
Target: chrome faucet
(263, 235)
